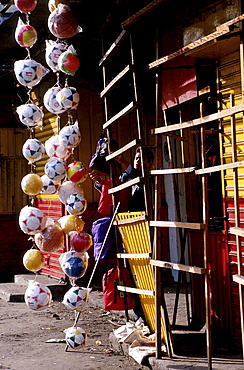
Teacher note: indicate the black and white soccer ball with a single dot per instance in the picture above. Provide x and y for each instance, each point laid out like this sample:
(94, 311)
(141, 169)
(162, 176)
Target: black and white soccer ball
(68, 98)
(75, 337)
(50, 100)
(30, 114)
(76, 298)
(55, 169)
(49, 187)
(70, 136)
(29, 72)
(76, 204)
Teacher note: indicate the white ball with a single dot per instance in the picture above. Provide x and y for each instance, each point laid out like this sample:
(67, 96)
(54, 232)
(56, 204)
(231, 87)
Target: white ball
(76, 204)
(67, 188)
(70, 135)
(29, 72)
(75, 337)
(50, 100)
(68, 98)
(29, 114)
(32, 220)
(55, 169)
(37, 296)
(33, 150)
(53, 51)
(55, 149)
(76, 298)
(49, 187)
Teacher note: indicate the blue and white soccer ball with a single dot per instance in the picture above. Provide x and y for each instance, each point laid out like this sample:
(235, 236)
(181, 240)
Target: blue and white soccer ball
(74, 264)
(49, 187)
(55, 149)
(50, 100)
(76, 204)
(55, 169)
(70, 136)
(30, 114)
(75, 337)
(33, 150)
(68, 98)
(53, 51)
(29, 72)
(76, 298)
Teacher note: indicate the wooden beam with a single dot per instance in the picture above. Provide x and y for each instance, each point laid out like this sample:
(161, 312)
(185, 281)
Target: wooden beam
(179, 267)
(126, 147)
(182, 225)
(141, 13)
(236, 231)
(131, 220)
(135, 290)
(220, 167)
(169, 171)
(221, 30)
(125, 185)
(113, 47)
(134, 255)
(199, 121)
(238, 279)
(114, 81)
(120, 114)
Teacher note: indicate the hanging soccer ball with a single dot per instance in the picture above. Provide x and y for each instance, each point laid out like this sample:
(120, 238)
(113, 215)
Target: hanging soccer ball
(33, 150)
(75, 337)
(80, 241)
(68, 61)
(32, 220)
(53, 4)
(30, 114)
(74, 264)
(77, 172)
(33, 260)
(48, 186)
(25, 34)
(55, 169)
(51, 238)
(55, 149)
(37, 296)
(25, 6)
(68, 98)
(70, 135)
(53, 51)
(31, 184)
(50, 101)
(71, 223)
(76, 298)
(76, 204)
(29, 72)
(67, 188)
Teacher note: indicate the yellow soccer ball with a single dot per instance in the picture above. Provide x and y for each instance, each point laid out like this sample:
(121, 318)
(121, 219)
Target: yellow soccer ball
(71, 223)
(31, 184)
(33, 260)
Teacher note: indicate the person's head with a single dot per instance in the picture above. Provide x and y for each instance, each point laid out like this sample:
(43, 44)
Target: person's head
(137, 159)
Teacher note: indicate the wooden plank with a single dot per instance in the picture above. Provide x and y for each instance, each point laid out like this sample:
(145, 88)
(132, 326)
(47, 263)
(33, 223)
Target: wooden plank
(123, 149)
(179, 267)
(182, 225)
(199, 121)
(169, 171)
(120, 114)
(135, 290)
(131, 220)
(113, 47)
(220, 167)
(141, 13)
(238, 279)
(134, 255)
(114, 81)
(220, 31)
(125, 185)
(236, 231)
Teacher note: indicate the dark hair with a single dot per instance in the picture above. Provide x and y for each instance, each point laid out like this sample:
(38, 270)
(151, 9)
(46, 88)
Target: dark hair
(148, 152)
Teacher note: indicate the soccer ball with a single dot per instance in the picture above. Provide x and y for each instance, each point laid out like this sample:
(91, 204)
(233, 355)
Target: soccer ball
(76, 204)
(31, 184)
(29, 114)
(55, 169)
(74, 264)
(48, 186)
(76, 298)
(67, 188)
(29, 72)
(70, 135)
(53, 51)
(25, 34)
(68, 98)
(75, 337)
(55, 149)
(77, 172)
(33, 260)
(50, 101)
(33, 150)
(32, 220)
(80, 241)
(37, 296)
(68, 61)
(71, 223)
(51, 238)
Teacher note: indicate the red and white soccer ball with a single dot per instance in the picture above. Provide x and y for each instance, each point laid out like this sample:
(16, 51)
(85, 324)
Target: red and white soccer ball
(50, 100)
(55, 149)
(55, 169)
(29, 72)
(37, 296)
(32, 220)
(68, 98)
(70, 136)
(30, 114)
(76, 298)
(33, 150)
(75, 337)
(76, 204)
(49, 187)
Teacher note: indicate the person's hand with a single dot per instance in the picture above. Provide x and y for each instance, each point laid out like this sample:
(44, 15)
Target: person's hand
(95, 177)
(122, 161)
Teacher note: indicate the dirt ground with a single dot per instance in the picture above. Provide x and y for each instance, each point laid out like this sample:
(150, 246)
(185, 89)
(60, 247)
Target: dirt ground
(24, 334)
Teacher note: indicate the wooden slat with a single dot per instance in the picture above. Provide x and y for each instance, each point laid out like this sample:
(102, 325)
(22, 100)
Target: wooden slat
(120, 114)
(125, 185)
(236, 231)
(220, 31)
(135, 290)
(120, 151)
(130, 221)
(221, 167)
(179, 267)
(113, 47)
(238, 279)
(182, 225)
(133, 255)
(169, 171)
(114, 81)
(141, 13)
(199, 121)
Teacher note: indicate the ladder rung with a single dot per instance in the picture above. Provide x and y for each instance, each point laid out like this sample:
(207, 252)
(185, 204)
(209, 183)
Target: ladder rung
(236, 231)
(120, 114)
(238, 279)
(131, 220)
(135, 290)
(182, 225)
(125, 185)
(126, 147)
(134, 255)
(113, 47)
(179, 266)
(169, 171)
(115, 80)
(221, 167)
